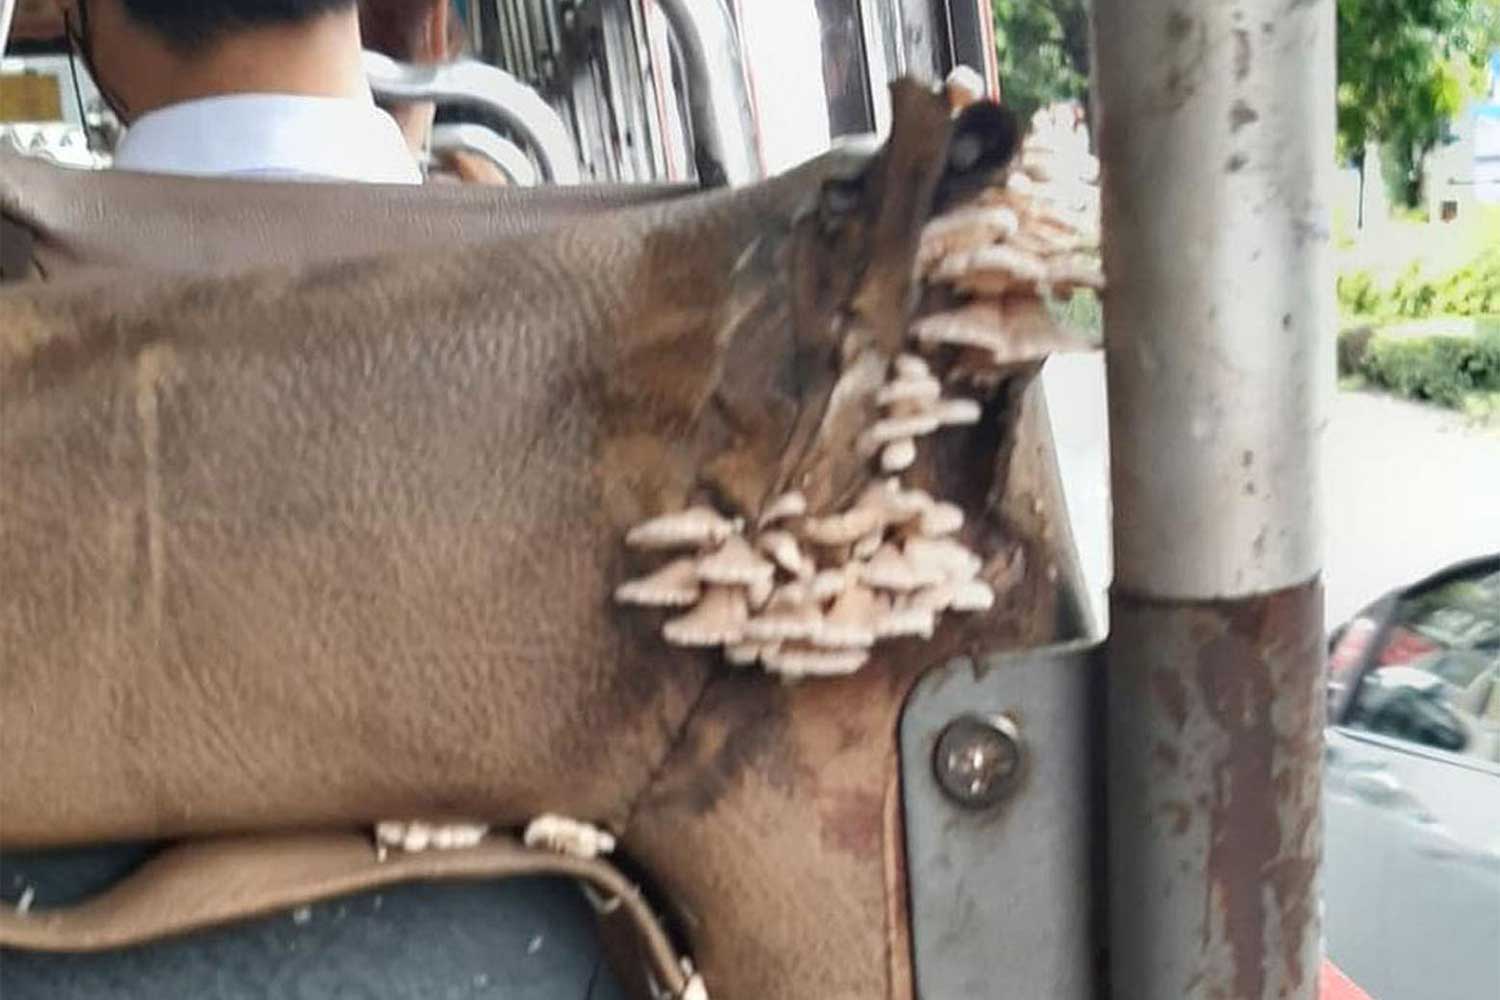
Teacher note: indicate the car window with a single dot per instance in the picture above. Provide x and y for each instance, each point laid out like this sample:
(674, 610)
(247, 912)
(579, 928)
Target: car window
(1435, 680)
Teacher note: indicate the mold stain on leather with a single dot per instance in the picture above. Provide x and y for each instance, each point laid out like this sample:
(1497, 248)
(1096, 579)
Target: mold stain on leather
(739, 727)
(851, 821)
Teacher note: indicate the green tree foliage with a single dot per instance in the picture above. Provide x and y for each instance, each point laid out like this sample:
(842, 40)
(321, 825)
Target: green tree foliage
(1405, 68)
(1043, 47)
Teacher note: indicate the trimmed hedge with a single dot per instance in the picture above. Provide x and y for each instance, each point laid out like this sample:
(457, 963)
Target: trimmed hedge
(1472, 290)
(1440, 369)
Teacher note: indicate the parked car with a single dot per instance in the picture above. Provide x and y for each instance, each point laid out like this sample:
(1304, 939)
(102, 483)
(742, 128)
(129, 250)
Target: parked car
(1412, 792)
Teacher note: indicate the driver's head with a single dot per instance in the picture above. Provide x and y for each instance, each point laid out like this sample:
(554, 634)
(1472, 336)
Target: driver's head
(149, 53)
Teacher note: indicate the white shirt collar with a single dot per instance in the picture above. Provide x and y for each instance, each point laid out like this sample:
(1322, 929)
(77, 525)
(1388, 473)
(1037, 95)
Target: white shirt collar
(271, 136)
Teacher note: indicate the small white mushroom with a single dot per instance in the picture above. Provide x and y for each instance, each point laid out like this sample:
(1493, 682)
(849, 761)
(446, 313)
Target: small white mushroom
(977, 324)
(898, 455)
(868, 545)
(830, 583)
(784, 621)
(735, 563)
(894, 429)
(957, 412)
(935, 599)
(942, 557)
(1075, 272)
(903, 620)
(691, 527)
(562, 835)
(911, 366)
(744, 654)
(786, 506)
(795, 661)
(963, 87)
(851, 621)
(674, 585)
(845, 528)
(415, 836)
(782, 547)
(888, 569)
(964, 230)
(718, 619)
(917, 391)
(941, 519)
(994, 270)
(973, 595)
(897, 506)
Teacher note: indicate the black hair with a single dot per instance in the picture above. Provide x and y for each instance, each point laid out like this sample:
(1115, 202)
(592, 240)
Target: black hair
(188, 24)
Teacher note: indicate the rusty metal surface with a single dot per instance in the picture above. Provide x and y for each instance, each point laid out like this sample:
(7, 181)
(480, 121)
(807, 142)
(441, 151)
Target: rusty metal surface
(1215, 765)
(1002, 897)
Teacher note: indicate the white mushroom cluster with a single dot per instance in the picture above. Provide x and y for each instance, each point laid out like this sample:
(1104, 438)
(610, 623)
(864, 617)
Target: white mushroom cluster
(810, 594)
(414, 836)
(1015, 247)
(562, 835)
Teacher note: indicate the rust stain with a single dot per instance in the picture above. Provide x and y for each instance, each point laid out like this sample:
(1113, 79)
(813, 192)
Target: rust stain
(1171, 695)
(1263, 806)
(1179, 817)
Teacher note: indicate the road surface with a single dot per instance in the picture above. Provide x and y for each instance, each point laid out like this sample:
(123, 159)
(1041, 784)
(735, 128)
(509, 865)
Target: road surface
(1409, 488)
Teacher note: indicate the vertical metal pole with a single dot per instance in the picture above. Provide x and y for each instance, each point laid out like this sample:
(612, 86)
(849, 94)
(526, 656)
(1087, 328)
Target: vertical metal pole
(7, 14)
(1216, 136)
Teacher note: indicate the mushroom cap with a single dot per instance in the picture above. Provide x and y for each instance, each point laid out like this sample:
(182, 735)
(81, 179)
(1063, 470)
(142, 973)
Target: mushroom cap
(851, 622)
(868, 545)
(830, 583)
(745, 654)
(785, 624)
(911, 366)
(935, 599)
(957, 412)
(794, 661)
(943, 557)
(1075, 272)
(904, 620)
(898, 455)
(783, 549)
(691, 527)
(888, 569)
(963, 87)
(717, 620)
(896, 506)
(977, 324)
(788, 505)
(973, 595)
(845, 528)
(891, 429)
(674, 585)
(920, 390)
(941, 519)
(995, 270)
(567, 836)
(735, 563)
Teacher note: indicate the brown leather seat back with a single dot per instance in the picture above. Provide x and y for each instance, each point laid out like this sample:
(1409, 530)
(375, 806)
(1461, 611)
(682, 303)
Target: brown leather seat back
(55, 220)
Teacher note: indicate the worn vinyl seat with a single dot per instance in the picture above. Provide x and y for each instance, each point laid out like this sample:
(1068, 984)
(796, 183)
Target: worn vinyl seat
(58, 220)
(527, 937)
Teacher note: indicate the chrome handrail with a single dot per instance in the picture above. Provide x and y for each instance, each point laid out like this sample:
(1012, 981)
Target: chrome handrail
(492, 91)
(507, 157)
(718, 91)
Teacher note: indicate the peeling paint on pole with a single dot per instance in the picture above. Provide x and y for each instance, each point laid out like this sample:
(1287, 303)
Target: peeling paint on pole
(1215, 744)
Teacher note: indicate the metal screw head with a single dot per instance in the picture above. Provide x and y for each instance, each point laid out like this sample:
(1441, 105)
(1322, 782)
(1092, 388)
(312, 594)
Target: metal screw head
(978, 760)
